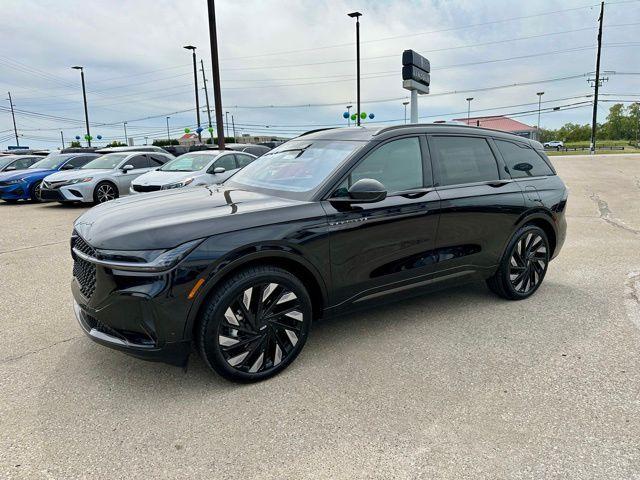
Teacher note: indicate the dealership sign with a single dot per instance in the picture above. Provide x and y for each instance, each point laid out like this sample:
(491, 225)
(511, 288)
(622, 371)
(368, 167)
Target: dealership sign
(415, 72)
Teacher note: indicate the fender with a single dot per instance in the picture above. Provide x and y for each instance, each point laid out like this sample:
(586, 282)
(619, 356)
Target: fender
(236, 259)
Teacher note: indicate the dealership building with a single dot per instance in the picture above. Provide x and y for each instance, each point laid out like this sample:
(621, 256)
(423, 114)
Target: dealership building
(502, 123)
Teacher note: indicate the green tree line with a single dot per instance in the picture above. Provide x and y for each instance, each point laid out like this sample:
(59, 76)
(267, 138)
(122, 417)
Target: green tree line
(622, 124)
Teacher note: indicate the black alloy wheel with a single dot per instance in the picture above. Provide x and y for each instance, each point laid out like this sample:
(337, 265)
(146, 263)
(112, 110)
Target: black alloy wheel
(256, 324)
(36, 192)
(524, 265)
(105, 192)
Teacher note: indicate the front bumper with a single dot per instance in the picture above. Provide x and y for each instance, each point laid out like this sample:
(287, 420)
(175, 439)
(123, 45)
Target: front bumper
(16, 191)
(79, 192)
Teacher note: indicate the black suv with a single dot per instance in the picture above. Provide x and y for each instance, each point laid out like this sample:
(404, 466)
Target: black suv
(332, 220)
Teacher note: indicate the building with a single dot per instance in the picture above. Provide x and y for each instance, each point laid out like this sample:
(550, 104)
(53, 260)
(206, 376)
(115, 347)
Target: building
(189, 139)
(246, 138)
(502, 123)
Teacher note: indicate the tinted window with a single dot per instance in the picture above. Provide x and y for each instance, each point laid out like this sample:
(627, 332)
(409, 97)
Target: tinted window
(227, 162)
(23, 163)
(243, 160)
(139, 161)
(522, 161)
(397, 165)
(107, 162)
(463, 160)
(50, 162)
(157, 160)
(78, 162)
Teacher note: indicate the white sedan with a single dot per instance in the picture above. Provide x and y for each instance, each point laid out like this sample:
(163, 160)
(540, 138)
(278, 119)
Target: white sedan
(192, 169)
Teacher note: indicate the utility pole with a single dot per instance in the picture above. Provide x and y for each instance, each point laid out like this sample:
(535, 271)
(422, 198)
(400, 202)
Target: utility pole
(168, 136)
(233, 125)
(126, 139)
(539, 102)
(357, 16)
(84, 97)
(195, 81)
(62, 138)
(469, 109)
(597, 83)
(13, 115)
(206, 96)
(405, 111)
(217, 96)
(226, 123)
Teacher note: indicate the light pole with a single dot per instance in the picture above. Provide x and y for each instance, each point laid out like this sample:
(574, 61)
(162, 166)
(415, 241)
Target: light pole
(226, 124)
(145, 139)
(195, 80)
(469, 108)
(233, 125)
(539, 102)
(168, 136)
(405, 111)
(126, 139)
(206, 96)
(357, 16)
(84, 96)
(349, 107)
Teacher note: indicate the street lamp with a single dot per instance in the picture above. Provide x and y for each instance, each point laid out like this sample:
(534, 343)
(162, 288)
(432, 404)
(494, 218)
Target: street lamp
(84, 96)
(349, 107)
(226, 124)
(539, 102)
(168, 136)
(195, 79)
(405, 111)
(357, 16)
(469, 108)
(126, 139)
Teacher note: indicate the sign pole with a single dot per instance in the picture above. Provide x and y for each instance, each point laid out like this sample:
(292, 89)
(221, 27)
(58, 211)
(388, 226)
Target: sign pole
(414, 106)
(416, 78)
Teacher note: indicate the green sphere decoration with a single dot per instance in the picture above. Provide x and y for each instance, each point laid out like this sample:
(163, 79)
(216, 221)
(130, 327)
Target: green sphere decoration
(363, 115)
(186, 130)
(354, 116)
(210, 129)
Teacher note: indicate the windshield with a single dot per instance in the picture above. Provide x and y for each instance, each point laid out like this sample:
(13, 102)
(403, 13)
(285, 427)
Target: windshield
(51, 162)
(189, 162)
(107, 162)
(296, 166)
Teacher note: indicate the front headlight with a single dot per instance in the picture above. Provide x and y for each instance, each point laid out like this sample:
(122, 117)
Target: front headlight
(151, 261)
(16, 181)
(77, 180)
(184, 183)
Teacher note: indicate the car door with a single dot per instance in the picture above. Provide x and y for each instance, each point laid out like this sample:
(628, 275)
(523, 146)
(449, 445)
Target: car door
(388, 244)
(480, 203)
(140, 164)
(226, 161)
(242, 159)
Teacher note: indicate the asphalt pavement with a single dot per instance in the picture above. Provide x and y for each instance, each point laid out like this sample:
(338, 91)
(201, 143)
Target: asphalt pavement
(458, 384)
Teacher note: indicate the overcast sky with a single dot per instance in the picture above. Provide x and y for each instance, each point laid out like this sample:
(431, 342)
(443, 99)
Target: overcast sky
(279, 55)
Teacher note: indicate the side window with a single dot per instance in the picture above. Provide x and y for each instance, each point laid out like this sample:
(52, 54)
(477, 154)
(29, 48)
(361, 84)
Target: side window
(243, 160)
(157, 160)
(396, 164)
(78, 162)
(139, 161)
(228, 162)
(463, 160)
(22, 163)
(522, 160)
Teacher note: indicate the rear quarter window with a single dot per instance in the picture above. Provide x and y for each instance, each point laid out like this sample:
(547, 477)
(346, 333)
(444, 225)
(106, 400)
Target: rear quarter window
(522, 160)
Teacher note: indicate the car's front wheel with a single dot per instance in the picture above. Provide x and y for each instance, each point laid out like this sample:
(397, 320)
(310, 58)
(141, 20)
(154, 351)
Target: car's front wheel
(36, 192)
(255, 324)
(523, 265)
(104, 192)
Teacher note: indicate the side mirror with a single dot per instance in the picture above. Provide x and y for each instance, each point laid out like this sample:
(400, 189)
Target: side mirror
(126, 168)
(365, 190)
(67, 167)
(219, 170)
(9, 168)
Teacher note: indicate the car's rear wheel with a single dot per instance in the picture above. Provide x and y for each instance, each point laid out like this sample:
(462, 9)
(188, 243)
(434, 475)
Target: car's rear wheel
(104, 192)
(36, 193)
(523, 266)
(255, 324)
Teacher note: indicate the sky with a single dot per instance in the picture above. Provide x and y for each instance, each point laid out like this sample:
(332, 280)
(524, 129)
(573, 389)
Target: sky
(289, 66)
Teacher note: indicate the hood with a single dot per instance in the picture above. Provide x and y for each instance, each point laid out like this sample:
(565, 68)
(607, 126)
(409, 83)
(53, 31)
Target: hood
(29, 173)
(73, 174)
(157, 177)
(165, 219)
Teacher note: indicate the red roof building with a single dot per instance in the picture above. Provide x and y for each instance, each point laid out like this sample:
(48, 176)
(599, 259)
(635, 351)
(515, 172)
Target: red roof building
(502, 123)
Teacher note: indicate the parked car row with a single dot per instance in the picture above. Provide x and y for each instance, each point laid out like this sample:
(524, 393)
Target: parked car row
(107, 174)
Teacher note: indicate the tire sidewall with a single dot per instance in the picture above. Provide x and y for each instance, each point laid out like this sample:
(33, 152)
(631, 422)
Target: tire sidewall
(32, 192)
(95, 191)
(209, 346)
(505, 267)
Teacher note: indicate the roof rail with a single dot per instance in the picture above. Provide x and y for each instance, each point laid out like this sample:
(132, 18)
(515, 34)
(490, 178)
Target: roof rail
(410, 125)
(315, 131)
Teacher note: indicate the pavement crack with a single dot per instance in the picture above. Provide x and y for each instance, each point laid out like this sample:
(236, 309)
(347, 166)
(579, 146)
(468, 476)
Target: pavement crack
(607, 216)
(33, 246)
(18, 357)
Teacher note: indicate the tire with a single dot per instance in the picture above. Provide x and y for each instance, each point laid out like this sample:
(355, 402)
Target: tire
(523, 265)
(104, 192)
(11, 200)
(35, 193)
(238, 341)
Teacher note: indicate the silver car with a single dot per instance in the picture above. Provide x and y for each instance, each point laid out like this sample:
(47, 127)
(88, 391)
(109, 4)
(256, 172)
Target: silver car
(206, 167)
(102, 179)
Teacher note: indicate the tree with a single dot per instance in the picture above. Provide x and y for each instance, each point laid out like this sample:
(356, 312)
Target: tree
(75, 144)
(164, 143)
(116, 143)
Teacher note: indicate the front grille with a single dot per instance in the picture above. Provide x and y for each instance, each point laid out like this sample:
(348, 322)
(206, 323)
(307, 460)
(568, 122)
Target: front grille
(83, 271)
(146, 188)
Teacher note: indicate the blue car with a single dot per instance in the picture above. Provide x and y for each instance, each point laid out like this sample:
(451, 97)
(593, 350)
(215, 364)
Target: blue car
(25, 184)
